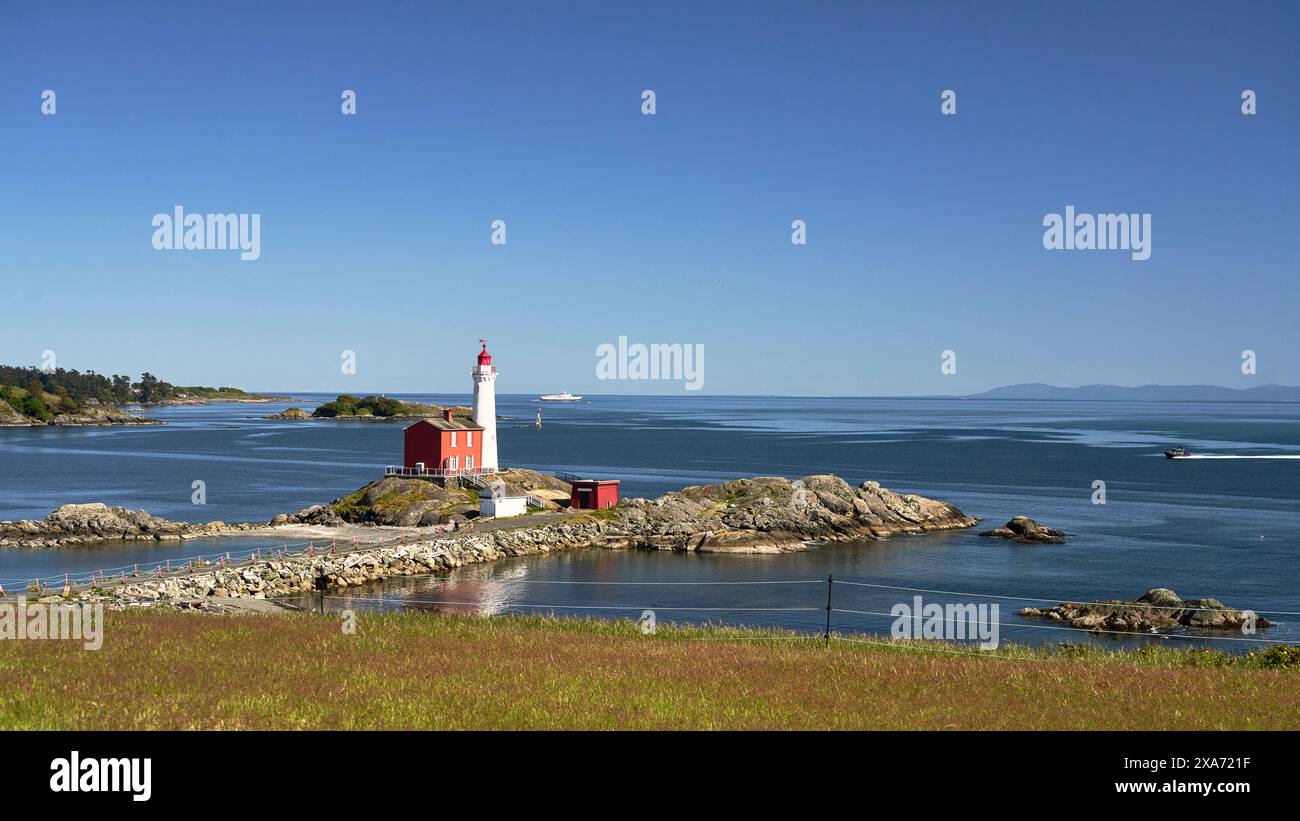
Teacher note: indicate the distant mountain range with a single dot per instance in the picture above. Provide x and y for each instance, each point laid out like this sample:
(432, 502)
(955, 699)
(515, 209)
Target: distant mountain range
(1146, 393)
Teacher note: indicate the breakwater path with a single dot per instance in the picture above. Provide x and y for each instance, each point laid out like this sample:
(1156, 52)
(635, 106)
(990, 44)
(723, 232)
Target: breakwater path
(296, 559)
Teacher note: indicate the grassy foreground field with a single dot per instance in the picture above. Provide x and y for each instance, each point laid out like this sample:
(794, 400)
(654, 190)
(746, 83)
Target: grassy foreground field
(176, 670)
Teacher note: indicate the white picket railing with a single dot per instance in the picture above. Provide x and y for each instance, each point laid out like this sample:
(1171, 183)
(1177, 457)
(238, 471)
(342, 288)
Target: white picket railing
(464, 473)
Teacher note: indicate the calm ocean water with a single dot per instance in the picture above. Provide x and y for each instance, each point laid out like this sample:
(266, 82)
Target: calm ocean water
(1223, 528)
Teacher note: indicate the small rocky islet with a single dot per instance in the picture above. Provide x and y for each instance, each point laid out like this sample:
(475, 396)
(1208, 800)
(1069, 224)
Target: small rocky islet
(1026, 531)
(348, 408)
(1158, 609)
(291, 414)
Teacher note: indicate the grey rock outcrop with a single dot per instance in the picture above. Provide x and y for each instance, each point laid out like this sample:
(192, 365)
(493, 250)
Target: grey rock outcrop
(1157, 609)
(74, 524)
(773, 514)
(393, 501)
(292, 414)
(1025, 530)
(314, 515)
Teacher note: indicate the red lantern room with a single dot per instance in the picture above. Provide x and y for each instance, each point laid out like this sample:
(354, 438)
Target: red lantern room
(484, 358)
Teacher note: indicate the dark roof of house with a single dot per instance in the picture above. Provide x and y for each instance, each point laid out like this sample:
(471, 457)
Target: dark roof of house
(443, 424)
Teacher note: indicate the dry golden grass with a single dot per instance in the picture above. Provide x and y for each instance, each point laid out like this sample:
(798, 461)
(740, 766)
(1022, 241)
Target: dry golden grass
(175, 670)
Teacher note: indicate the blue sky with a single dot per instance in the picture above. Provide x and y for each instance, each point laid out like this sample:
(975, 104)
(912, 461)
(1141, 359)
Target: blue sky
(924, 231)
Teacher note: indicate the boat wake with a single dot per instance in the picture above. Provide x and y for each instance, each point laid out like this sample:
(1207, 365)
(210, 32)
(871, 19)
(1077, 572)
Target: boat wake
(1212, 456)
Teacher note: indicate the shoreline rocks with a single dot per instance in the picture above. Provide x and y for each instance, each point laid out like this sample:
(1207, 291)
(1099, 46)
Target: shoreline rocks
(1157, 609)
(771, 514)
(1026, 531)
(96, 522)
(307, 574)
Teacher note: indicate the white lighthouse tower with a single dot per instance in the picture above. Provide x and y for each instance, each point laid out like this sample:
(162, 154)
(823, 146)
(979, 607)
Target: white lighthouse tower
(485, 405)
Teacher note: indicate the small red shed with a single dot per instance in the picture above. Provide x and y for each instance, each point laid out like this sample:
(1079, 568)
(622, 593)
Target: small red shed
(594, 494)
(444, 445)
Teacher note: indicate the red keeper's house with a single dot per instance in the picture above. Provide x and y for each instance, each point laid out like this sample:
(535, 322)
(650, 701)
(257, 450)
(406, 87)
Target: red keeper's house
(444, 446)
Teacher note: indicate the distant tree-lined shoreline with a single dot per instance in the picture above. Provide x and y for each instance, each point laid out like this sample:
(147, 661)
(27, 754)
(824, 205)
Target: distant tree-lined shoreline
(41, 394)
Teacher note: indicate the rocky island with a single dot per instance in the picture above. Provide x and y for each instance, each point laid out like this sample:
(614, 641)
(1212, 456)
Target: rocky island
(1026, 531)
(1157, 609)
(761, 515)
(291, 414)
(773, 514)
(371, 408)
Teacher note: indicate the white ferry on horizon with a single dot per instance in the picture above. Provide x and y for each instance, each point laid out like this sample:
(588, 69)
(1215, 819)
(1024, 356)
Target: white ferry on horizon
(560, 397)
